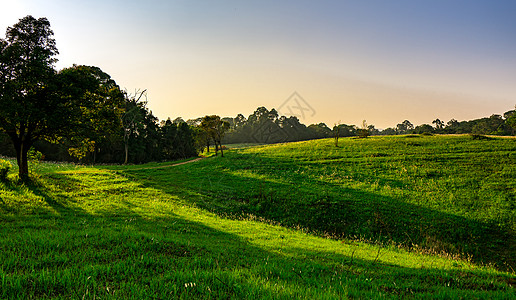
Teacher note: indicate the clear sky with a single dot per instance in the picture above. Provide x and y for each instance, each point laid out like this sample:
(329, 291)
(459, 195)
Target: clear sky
(382, 61)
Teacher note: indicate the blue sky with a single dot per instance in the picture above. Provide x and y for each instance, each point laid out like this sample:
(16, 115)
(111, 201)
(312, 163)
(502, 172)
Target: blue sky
(383, 61)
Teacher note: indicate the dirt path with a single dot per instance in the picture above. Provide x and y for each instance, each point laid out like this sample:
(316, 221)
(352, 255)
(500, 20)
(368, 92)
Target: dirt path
(123, 170)
(168, 166)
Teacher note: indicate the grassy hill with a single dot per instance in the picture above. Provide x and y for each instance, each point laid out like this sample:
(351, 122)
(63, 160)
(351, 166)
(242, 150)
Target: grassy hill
(409, 216)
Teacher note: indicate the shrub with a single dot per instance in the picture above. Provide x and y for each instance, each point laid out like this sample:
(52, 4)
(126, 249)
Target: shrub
(479, 137)
(363, 133)
(5, 167)
(35, 157)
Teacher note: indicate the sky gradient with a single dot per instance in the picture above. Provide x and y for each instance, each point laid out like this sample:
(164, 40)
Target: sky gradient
(382, 61)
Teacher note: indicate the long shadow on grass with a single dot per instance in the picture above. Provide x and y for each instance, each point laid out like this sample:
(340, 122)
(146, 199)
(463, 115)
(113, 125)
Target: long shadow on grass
(225, 187)
(172, 257)
(58, 201)
(38, 187)
(136, 256)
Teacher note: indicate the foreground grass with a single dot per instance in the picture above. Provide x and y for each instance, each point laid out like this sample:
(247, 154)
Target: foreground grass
(85, 232)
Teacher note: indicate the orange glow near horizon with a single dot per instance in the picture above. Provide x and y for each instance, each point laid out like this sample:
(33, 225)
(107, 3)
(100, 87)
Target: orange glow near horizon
(382, 62)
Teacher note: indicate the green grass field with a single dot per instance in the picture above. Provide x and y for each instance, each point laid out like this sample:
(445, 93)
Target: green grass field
(383, 217)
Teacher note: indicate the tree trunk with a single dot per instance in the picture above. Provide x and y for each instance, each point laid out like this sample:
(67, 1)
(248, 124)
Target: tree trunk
(22, 148)
(221, 151)
(94, 153)
(126, 152)
(24, 169)
(336, 133)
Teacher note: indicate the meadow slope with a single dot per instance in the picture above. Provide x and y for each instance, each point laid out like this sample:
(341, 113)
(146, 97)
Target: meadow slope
(444, 194)
(209, 229)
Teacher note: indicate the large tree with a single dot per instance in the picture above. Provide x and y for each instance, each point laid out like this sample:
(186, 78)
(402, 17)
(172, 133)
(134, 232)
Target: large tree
(30, 105)
(439, 125)
(404, 127)
(101, 104)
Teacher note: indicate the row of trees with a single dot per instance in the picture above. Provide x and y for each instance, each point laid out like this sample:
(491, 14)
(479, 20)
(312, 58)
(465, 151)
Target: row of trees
(494, 125)
(264, 126)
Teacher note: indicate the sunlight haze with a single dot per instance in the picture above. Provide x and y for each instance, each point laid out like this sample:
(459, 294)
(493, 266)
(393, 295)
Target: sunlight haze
(382, 61)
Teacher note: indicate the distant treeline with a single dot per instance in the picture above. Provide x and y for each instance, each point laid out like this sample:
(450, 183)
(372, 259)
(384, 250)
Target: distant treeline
(494, 125)
(264, 126)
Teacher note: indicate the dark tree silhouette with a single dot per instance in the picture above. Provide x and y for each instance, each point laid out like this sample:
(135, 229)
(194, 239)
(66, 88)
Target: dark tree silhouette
(404, 127)
(424, 129)
(30, 105)
(510, 121)
(438, 124)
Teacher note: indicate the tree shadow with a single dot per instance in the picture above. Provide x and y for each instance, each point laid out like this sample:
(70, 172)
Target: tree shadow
(36, 187)
(171, 250)
(60, 203)
(340, 212)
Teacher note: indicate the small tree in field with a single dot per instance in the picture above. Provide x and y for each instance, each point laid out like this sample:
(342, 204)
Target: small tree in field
(215, 127)
(364, 131)
(336, 133)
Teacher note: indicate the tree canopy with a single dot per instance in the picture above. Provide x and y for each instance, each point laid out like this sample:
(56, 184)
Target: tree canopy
(215, 127)
(31, 106)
